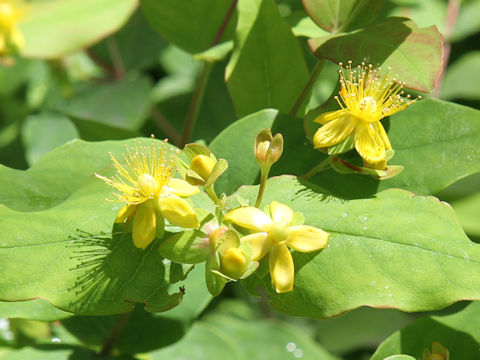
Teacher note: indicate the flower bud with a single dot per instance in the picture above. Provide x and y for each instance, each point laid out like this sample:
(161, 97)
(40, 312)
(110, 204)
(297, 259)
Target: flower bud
(234, 263)
(215, 236)
(203, 166)
(268, 148)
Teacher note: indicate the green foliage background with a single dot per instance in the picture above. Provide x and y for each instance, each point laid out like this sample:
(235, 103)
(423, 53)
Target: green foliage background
(402, 269)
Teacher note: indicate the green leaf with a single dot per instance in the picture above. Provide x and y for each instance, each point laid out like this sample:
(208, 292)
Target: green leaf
(361, 328)
(467, 21)
(122, 104)
(216, 53)
(44, 132)
(140, 325)
(67, 254)
(56, 27)
(462, 78)
(37, 309)
(220, 336)
(467, 210)
(334, 16)
(138, 45)
(371, 241)
(47, 352)
(267, 68)
(459, 333)
(193, 25)
(413, 53)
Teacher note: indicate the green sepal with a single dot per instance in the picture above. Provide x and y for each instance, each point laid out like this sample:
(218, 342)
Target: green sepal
(193, 178)
(215, 283)
(228, 240)
(186, 247)
(389, 154)
(192, 150)
(160, 227)
(220, 166)
(343, 147)
(252, 266)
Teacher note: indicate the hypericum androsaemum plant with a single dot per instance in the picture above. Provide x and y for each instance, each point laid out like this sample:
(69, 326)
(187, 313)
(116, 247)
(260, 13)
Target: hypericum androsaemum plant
(230, 213)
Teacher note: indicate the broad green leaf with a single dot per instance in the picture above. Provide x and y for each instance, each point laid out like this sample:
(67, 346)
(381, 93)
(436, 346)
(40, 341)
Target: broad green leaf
(434, 140)
(413, 53)
(67, 254)
(334, 16)
(44, 132)
(48, 352)
(458, 332)
(193, 25)
(462, 78)
(138, 45)
(361, 328)
(14, 75)
(53, 28)
(395, 250)
(468, 210)
(140, 325)
(423, 13)
(230, 336)
(467, 21)
(267, 68)
(122, 104)
(34, 310)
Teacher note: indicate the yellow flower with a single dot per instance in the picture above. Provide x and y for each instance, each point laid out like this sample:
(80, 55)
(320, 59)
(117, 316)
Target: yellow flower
(366, 98)
(273, 235)
(11, 39)
(151, 193)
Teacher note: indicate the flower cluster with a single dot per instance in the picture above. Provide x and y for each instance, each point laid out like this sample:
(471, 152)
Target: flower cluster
(232, 241)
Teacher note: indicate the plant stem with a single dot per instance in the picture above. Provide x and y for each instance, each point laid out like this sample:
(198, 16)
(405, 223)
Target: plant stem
(263, 185)
(163, 123)
(307, 90)
(202, 81)
(212, 195)
(323, 165)
(196, 103)
(114, 51)
(225, 22)
(452, 16)
(117, 330)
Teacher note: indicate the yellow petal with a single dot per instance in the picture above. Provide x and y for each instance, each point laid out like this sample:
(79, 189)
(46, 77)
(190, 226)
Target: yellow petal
(124, 213)
(383, 135)
(329, 116)
(177, 211)
(260, 244)
(249, 217)
(281, 213)
(182, 188)
(281, 268)
(335, 131)
(144, 225)
(306, 238)
(369, 143)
